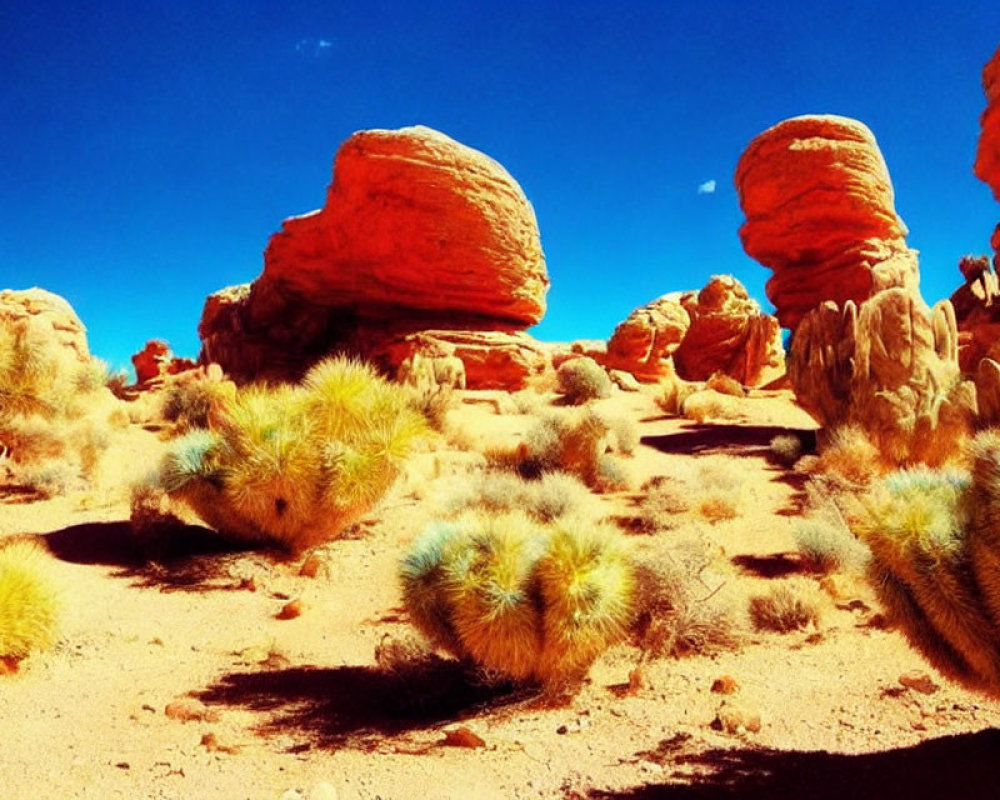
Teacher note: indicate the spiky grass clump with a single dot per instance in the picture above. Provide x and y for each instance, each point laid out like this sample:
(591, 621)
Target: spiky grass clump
(29, 602)
(786, 449)
(573, 442)
(294, 465)
(719, 492)
(625, 433)
(826, 546)
(665, 499)
(678, 615)
(582, 379)
(789, 606)
(521, 600)
(848, 456)
(192, 404)
(54, 410)
(554, 495)
(710, 405)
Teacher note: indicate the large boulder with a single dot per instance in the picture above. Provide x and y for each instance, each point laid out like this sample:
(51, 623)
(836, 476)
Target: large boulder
(697, 334)
(644, 342)
(820, 213)
(418, 232)
(729, 335)
(52, 318)
(889, 367)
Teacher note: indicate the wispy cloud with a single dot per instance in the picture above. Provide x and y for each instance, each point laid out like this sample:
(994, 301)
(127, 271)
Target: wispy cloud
(313, 48)
(708, 187)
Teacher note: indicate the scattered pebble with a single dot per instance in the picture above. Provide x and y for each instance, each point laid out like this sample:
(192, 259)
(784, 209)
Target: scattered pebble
(313, 567)
(919, 682)
(725, 685)
(735, 721)
(190, 710)
(290, 610)
(462, 737)
(211, 743)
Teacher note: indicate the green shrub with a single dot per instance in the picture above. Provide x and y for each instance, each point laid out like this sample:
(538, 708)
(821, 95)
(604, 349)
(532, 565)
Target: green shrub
(29, 601)
(294, 465)
(523, 601)
(828, 547)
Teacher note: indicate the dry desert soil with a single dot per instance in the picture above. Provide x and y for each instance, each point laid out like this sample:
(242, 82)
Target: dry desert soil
(174, 675)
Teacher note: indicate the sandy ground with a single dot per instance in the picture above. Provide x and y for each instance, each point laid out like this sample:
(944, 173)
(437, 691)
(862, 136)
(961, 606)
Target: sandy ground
(298, 709)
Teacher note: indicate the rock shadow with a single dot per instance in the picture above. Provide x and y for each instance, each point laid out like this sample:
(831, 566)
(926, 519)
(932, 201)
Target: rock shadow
(178, 558)
(954, 766)
(740, 440)
(360, 707)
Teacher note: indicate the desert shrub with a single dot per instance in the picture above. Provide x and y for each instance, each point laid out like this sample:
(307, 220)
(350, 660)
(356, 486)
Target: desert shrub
(191, 404)
(673, 396)
(582, 379)
(826, 546)
(677, 614)
(295, 465)
(789, 606)
(625, 433)
(550, 497)
(718, 494)
(29, 600)
(53, 407)
(571, 442)
(527, 402)
(786, 449)
(611, 475)
(710, 405)
(522, 601)
(433, 402)
(665, 498)
(848, 456)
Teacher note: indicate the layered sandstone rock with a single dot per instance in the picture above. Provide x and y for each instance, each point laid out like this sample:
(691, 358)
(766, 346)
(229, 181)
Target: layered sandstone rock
(820, 213)
(51, 316)
(645, 341)
(418, 233)
(491, 359)
(729, 335)
(889, 367)
(977, 313)
(718, 329)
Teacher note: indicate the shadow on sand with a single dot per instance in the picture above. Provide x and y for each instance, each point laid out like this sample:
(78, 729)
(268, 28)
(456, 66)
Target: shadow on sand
(360, 706)
(179, 557)
(739, 440)
(965, 766)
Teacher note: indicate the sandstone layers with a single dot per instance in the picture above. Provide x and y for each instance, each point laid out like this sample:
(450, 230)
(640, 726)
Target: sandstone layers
(697, 334)
(820, 213)
(418, 233)
(51, 317)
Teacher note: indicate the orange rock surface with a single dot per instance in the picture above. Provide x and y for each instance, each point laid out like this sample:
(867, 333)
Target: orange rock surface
(419, 232)
(820, 213)
(156, 360)
(730, 335)
(644, 342)
(415, 219)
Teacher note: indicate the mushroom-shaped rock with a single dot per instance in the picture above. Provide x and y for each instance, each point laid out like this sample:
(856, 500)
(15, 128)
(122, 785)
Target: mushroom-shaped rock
(890, 367)
(419, 232)
(729, 335)
(820, 213)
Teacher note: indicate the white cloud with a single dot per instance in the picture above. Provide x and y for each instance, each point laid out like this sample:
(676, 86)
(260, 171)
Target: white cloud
(708, 187)
(313, 47)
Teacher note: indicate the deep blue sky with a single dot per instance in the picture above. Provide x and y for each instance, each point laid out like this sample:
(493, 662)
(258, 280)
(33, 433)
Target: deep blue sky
(149, 149)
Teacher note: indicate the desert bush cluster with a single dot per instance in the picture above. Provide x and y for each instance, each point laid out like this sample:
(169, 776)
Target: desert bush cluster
(293, 465)
(56, 415)
(29, 600)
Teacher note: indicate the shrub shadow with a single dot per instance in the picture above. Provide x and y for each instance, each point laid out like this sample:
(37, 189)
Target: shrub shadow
(354, 706)
(774, 565)
(741, 440)
(178, 558)
(954, 766)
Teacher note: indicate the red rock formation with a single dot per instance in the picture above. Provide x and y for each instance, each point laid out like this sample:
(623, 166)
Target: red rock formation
(418, 232)
(987, 166)
(718, 329)
(493, 359)
(977, 313)
(645, 341)
(820, 213)
(729, 335)
(51, 315)
(156, 360)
